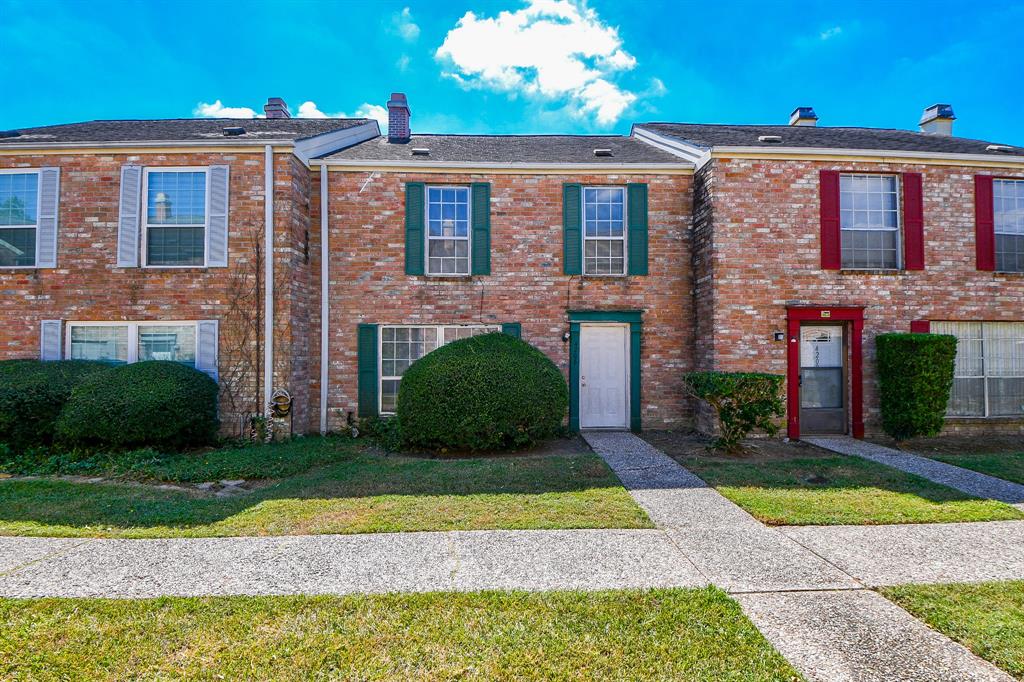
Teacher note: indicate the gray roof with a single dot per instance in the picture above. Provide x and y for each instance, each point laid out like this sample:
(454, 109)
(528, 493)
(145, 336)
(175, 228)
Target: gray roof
(180, 130)
(707, 135)
(509, 149)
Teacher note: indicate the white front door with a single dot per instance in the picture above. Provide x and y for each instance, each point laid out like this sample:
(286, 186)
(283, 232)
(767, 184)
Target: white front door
(604, 379)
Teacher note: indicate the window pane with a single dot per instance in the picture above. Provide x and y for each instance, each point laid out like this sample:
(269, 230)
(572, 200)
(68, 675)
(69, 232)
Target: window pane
(869, 218)
(109, 344)
(603, 211)
(1008, 201)
(1010, 252)
(1006, 397)
(175, 246)
(176, 198)
(1004, 349)
(17, 246)
(388, 394)
(18, 198)
(174, 343)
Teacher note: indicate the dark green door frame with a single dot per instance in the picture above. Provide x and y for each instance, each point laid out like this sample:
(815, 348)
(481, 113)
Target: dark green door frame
(633, 319)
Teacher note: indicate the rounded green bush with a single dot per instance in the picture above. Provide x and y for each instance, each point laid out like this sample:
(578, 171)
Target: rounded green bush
(487, 392)
(32, 393)
(155, 403)
(915, 375)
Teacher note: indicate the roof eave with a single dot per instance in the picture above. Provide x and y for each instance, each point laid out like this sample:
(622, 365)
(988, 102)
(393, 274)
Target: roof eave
(502, 165)
(731, 150)
(112, 144)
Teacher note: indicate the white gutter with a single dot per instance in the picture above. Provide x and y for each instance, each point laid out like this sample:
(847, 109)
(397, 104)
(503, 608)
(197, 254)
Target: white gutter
(268, 276)
(212, 142)
(876, 153)
(324, 303)
(498, 165)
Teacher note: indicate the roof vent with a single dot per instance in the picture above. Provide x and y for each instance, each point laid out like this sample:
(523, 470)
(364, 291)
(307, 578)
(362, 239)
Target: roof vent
(803, 116)
(1000, 148)
(774, 139)
(938, 120)
(420, 151)
(234, 131)
(10, 133)
(602, 152)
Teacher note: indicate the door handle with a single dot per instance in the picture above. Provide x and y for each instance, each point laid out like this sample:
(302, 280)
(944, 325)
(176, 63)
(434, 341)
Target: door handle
(800, 380)
(583, 381)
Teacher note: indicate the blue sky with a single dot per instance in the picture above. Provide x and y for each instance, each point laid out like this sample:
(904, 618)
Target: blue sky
(471, 66)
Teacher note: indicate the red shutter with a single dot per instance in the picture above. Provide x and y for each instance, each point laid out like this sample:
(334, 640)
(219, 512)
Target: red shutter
(831, 258)
(920, 327)
(913, 223)
(984, 223)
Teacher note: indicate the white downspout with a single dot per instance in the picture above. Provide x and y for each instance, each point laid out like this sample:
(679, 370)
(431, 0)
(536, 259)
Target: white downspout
(268, 277)
(324, 302)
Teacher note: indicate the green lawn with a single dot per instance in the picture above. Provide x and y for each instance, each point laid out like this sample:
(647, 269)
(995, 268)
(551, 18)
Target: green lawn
(357, 493)
(623, 635)
(1008, 466)
(825, 489)
(987, 618)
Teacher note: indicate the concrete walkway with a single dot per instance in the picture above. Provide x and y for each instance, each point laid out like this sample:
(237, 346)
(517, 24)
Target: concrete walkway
(971, 482)
(801, 589)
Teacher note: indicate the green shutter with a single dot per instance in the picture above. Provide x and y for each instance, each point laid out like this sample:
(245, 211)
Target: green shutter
(481, 193)
(414, 228)
(572, 229)
(512, 329)
(637, 217)
(368, 377)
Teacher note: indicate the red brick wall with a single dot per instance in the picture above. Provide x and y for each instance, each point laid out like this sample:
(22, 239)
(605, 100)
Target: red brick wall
(526, 284)
(88, 285)
(763, 244)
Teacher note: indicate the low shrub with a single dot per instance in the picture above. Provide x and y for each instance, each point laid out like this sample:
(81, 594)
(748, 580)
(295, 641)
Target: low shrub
(387, 432)
(32, 394)
(155, 403)
(915, 375)
(487, 392)
(743, 401)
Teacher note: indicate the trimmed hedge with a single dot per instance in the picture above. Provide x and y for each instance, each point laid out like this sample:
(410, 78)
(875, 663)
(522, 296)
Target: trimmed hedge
(915, 375)
(32, 393)
(743, 401)
(156, 403)
(487, 392)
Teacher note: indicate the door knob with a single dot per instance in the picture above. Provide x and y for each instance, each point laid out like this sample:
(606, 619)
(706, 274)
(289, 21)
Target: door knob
(583, 381)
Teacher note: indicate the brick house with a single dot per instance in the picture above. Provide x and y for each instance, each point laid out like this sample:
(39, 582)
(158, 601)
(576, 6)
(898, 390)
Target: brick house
(627, 259)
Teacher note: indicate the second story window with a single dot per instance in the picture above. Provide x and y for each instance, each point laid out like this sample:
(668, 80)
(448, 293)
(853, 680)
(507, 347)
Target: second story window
(448, 230)
(1008, 214)
(604, 231)
(18, 219)
(174, 229)
(869, 220)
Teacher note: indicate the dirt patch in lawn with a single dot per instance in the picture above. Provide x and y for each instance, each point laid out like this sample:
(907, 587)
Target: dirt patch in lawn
(957, 445)
(692, 444)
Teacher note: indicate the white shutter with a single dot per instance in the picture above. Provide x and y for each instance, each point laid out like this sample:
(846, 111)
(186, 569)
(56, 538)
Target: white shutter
(46, 231)
(206, 347)
(217, 219)
(128, 220)
(49, 340)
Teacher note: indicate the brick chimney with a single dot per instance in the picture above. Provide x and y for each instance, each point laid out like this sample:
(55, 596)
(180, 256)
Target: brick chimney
(276, 108)
(398, 118)
(803, 116)
(938, 120)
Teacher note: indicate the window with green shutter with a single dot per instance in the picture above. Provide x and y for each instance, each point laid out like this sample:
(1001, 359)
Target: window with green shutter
(572, 229)
(481, 219)
(367, 370)
(414, 218)
(636, 203)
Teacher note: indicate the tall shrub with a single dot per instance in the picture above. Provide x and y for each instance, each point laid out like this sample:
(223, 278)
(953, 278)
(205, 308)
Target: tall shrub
(32, 394)
(915, 375)
(743, 401)
(158, 403)
(487, 392)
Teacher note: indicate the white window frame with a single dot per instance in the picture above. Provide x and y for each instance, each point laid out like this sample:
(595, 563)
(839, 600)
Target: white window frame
(145, 214)
(39, 208)
(439, 329)
(995, 211)
(984, 376)
(625, 232)
(133, 333)
(899, 220)
(427, 238)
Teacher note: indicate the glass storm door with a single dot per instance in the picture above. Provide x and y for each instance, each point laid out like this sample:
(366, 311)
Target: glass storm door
(822, 380)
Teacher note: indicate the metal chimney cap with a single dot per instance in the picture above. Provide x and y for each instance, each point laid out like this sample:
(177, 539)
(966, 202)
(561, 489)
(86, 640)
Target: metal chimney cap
(938, 111)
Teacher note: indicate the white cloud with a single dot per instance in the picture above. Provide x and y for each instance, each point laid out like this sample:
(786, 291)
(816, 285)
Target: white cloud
(403, 62)
(830, 32)
(552, 49)
(374, 111)
(403, 25)
(218, 110)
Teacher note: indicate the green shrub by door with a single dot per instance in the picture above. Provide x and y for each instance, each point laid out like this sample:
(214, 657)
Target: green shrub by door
(146, 403)
(487, 392)
(915, 375)
(32, 393)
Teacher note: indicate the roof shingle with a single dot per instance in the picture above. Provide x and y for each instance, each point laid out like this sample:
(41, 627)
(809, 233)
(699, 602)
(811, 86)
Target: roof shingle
(709, 135)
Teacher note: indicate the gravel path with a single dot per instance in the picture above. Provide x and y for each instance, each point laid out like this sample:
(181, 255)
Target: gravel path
(964, 480)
